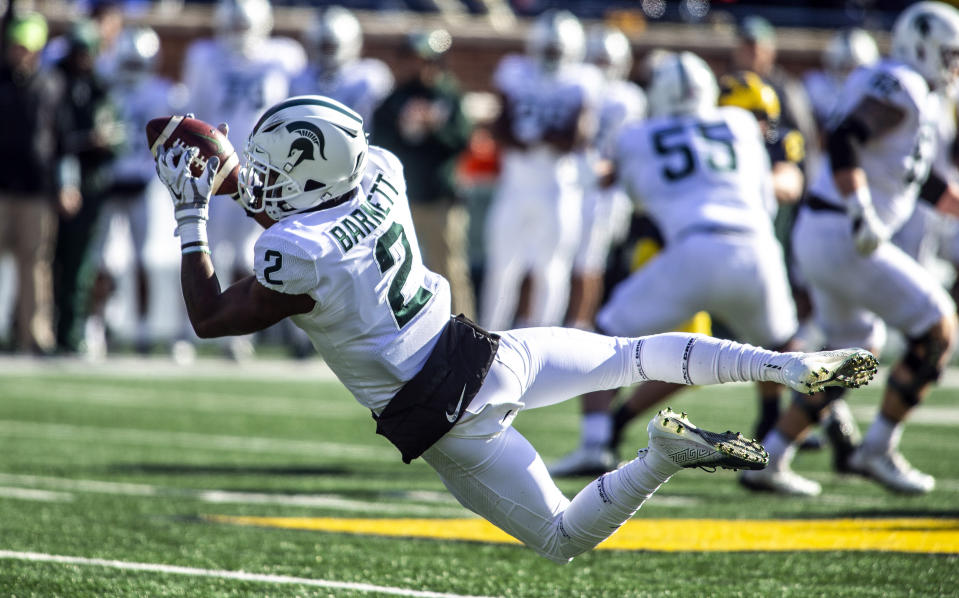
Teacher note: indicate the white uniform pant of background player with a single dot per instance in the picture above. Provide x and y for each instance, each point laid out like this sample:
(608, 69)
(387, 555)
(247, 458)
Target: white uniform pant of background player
(932, 239)
(495, 472)
(533, 227)
(739, 278)
(138, 232)
(853, 295)
(232, 236)
(606, 214)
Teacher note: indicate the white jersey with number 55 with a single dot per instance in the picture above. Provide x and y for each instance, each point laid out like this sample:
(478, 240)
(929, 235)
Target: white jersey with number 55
(378, 309)
(694, 171)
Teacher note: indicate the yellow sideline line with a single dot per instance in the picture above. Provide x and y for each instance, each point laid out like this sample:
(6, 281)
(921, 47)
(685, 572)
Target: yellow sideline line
(709, 535)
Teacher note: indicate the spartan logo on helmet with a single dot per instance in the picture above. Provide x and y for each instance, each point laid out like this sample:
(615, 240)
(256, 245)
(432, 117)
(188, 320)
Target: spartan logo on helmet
(309, 138)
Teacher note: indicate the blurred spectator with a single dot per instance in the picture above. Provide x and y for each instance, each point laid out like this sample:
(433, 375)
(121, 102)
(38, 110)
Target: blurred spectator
(30, 193)
(334, 41)
(478, 171)
(92, 135)
(423, 123)
(107, 16)
(756, 52)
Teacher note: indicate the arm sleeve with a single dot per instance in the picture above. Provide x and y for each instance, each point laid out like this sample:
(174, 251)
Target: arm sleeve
(843, 143)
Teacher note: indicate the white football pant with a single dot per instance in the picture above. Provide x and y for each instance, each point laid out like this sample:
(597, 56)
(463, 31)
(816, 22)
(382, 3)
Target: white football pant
(495, 472)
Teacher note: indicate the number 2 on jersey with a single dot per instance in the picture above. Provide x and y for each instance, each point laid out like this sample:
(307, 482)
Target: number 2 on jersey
(675, 143)
(403, 310)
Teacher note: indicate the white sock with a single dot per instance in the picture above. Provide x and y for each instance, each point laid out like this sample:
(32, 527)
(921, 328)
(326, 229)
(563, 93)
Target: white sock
(883, 435)
(609, 501)
(699, 359)
(781, 450)
(596, 428)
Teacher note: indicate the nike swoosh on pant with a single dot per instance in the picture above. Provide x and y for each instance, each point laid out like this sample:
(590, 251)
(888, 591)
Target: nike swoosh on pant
(451, 415)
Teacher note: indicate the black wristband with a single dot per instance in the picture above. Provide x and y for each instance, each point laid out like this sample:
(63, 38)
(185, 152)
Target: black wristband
(933, 188)
(843, 143)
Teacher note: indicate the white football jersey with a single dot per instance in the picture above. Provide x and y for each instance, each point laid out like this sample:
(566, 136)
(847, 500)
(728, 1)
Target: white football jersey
(698, 171)
(362, 85)
(539, 100)
(226, 86)
(823, 89)
(897, 163)
(622, 102)
(378, 309)
(139, 101)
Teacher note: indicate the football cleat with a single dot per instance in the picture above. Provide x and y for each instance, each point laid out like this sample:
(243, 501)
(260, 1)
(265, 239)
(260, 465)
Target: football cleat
(892, 471)
(677, 439)
(840, 427)
(812, 372)
(780, 481)
(584, 461)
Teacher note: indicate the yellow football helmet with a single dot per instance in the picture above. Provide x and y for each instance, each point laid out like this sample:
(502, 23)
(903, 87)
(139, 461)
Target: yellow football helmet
(747, 90)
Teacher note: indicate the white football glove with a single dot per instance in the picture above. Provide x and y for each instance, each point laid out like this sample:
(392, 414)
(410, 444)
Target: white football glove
(868, 231)
(191, 195)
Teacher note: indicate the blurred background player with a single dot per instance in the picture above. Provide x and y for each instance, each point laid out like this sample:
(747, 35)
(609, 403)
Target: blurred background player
(233, 78)
(140, 94)
(787, 152)
(605, 209)
(702, 173)
(549, 100)
(334, 41)
(108, 19)
(756, 51)
(423, 123)
(31, 193)
(881, 143)
(847, 49)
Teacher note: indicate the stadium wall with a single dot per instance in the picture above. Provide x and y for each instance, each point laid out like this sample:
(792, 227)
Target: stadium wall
(477, 45)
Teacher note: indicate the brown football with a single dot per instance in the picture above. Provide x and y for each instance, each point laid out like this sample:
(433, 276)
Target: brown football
(168, 131)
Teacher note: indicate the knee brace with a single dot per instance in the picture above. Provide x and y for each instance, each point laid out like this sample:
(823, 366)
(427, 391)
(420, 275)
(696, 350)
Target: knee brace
(813, 405)
(922, 362)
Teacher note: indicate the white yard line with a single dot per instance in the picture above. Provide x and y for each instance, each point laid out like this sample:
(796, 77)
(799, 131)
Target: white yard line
(444, 504)
(225, 574)
(116, 394)
(159, 367)
(32, 494)
(192, 440)
(932, 415)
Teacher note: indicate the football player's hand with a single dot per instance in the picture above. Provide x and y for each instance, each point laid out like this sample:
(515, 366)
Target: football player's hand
(868, 231)
(191, 195)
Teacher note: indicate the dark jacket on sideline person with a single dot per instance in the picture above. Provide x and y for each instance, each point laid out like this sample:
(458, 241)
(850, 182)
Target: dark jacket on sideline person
(29, 145)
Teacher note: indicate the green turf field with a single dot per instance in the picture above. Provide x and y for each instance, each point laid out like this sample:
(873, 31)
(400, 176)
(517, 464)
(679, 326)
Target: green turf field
(131, 478)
